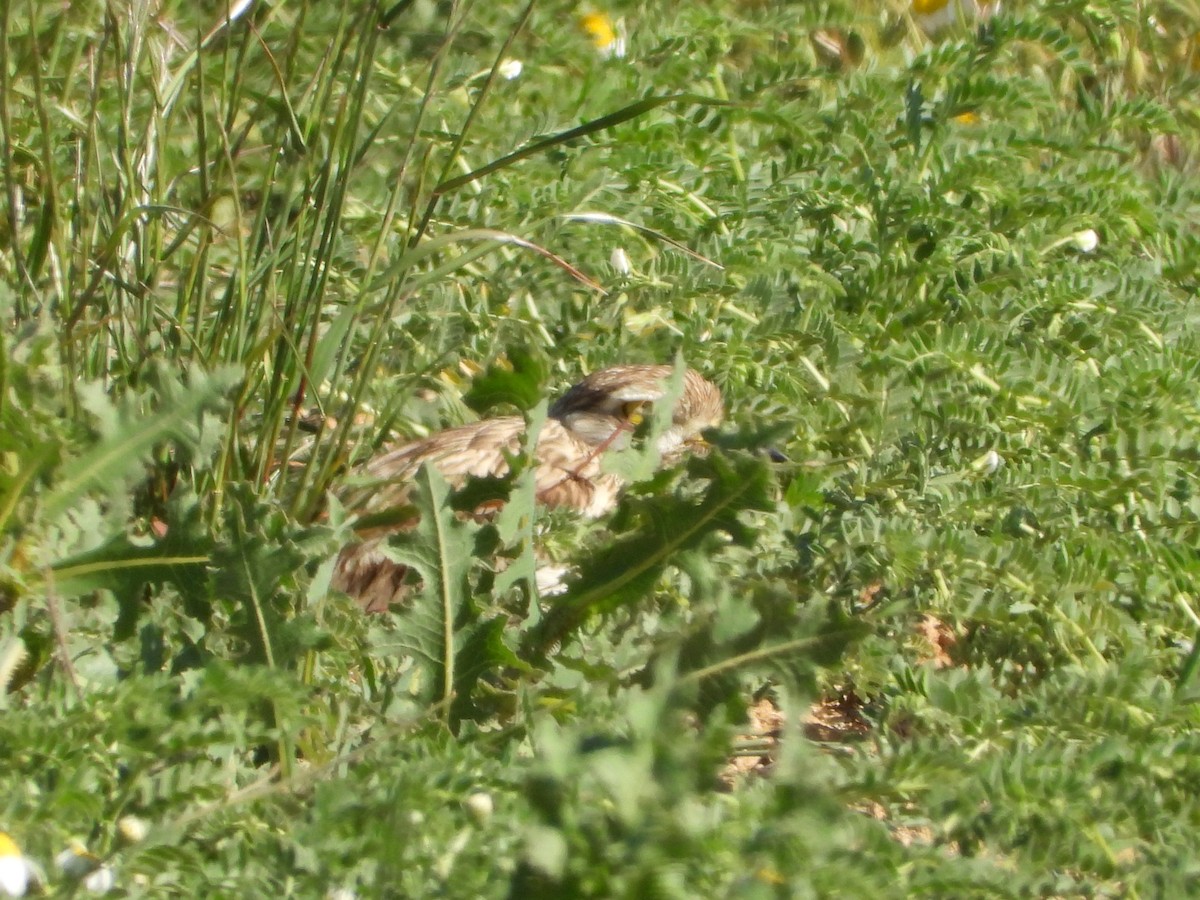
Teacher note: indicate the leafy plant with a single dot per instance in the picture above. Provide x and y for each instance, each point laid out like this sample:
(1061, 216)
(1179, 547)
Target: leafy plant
(946, 282)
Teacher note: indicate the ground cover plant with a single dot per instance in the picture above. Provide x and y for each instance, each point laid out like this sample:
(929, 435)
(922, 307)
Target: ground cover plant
(943, 549)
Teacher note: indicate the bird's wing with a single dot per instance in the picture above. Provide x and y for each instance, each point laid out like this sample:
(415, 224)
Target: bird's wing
(567, 469)
(363, 572)
(568, 473)
(475, 450)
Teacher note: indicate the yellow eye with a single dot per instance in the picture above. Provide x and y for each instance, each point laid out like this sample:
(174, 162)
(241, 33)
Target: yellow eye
(632, 411)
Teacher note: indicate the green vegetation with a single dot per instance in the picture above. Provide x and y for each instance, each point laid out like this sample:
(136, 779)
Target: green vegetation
(953, 280)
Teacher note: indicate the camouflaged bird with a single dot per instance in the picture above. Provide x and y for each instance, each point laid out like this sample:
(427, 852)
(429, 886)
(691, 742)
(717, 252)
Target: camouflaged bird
(597, 414)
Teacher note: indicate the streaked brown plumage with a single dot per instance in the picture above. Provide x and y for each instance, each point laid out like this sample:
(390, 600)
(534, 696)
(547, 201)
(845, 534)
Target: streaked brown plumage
(592, 417)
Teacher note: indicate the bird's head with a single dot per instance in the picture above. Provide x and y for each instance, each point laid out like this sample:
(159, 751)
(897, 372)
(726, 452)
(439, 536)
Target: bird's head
(608, 405)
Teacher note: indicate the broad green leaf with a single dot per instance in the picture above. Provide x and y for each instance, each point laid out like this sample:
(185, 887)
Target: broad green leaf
(440, 549)
(518, 382)
(253, 571)
(107, 465)
(622, 573)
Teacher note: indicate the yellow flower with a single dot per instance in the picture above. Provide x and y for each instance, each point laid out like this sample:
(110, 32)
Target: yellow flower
(607, 36)
(14, 870)
(770, 876)
(935, 15)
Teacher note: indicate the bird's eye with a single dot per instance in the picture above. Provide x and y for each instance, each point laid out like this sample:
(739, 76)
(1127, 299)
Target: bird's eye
(634, 411)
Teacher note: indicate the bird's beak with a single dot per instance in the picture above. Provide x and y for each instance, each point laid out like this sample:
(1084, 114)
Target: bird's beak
(633, 413)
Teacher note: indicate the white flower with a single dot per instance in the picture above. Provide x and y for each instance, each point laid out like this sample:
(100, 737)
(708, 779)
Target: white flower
(228, 17)
(551, 580)
(1085, 241)
(14, 870)
(101, 881)
(236, 9)
(481, 806)
(132, 829)
(620, 261)
(75, 861)
(989, 463)
(12, 654)
(78, 862)
(510, 69)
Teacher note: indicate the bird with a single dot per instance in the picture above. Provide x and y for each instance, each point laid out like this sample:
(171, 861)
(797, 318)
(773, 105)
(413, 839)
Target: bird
(596, 415)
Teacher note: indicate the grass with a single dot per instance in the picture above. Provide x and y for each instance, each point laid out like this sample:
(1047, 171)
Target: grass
(951, 279)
